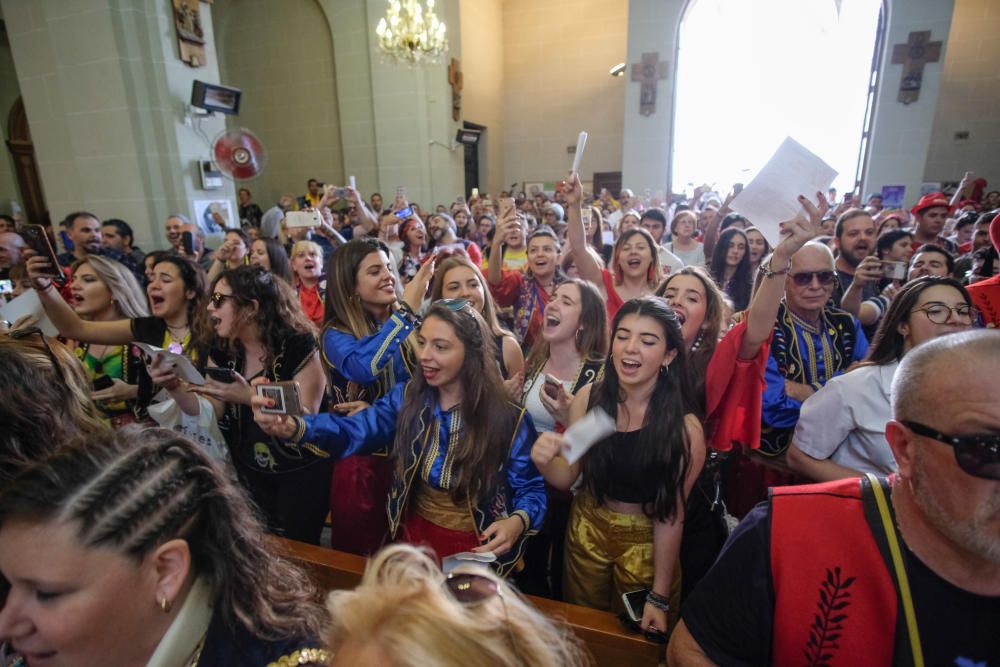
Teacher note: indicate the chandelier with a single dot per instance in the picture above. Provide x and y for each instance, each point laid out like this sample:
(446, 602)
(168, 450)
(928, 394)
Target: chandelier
(411, 35)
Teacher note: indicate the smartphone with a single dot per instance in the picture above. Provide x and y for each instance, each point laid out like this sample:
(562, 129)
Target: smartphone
(6, 286)
(506, 207)
(38, 240)
(475, 193)
(299, 219)
(552, 386)
(223, 375)
(103, 382)
(634, 603)
(341, 193)
(285, 396)
(894, 270)
(586, 215)
(187, 240)
(405, 213)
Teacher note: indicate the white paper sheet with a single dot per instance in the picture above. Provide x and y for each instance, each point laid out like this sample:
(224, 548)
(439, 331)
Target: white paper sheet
(28, 304)
(772, 196)
(581, 436)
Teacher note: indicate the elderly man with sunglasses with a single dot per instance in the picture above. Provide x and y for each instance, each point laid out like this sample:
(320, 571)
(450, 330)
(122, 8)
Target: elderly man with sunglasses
(869, 571)
(812, 343)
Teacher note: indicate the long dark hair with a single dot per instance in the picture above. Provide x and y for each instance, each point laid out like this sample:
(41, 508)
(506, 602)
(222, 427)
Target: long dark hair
(739, 286)
(488, 416)
(343, 309)
(194, 281)
(279, 311)
(134, 489)
(277, 257)
(664, 450)
(887, 345)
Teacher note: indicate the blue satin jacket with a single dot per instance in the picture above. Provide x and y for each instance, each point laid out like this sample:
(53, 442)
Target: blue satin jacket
(431, 454)
(375, 358)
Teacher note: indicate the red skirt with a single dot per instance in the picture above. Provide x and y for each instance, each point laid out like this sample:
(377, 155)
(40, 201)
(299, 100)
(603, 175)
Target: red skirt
(358, 495)
(444, 541)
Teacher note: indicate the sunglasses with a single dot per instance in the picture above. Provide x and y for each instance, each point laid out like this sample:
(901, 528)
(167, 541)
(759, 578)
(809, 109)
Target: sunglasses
(218, 299)
(977, 455)
(469, 589)
(806, 277)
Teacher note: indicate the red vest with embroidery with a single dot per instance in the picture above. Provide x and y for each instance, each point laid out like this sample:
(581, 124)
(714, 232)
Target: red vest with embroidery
(835, 599)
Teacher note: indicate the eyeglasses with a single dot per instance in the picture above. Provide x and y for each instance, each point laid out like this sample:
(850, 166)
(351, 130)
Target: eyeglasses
(938, 313)
(218, 299)
(469, 589)
(977, 455)
(806, 277)
(18, 334)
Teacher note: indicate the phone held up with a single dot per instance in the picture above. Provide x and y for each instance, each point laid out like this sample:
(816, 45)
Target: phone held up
(285, 396)
(38, 240)
(187, 240)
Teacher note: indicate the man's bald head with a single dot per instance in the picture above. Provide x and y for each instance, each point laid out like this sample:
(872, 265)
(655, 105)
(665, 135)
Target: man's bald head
(942, 373)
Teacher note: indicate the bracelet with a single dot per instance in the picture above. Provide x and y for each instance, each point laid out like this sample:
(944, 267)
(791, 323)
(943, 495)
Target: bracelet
(769, 273)
(658, 601)
(407, 311)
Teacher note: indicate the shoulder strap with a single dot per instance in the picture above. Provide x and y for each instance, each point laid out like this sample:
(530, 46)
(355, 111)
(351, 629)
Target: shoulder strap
(883, 527)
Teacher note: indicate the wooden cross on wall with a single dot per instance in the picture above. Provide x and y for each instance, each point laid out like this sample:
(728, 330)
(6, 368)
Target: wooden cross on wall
(913, 55)
(455, 79)
(648, 72)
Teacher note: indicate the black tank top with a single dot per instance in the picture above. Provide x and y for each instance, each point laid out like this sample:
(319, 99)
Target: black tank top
(625, 467)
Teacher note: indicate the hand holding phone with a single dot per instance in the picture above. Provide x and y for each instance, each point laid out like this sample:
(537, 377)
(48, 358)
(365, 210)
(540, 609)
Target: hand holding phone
(38, 241)
(187, 242)
(894, 270)
(552, 386)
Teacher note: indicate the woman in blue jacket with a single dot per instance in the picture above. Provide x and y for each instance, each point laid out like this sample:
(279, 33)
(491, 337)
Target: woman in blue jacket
(462, 474)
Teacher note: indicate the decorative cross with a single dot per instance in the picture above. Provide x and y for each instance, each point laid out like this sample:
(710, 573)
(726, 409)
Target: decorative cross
(455, 79)
(913, 55)
(647, 73)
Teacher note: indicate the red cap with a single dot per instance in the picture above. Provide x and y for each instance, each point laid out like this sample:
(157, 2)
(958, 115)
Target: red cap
(995, 232)
(930, 200)
(968, 202)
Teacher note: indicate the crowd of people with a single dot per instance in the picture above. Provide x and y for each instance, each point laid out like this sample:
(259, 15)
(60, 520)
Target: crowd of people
(390, 374)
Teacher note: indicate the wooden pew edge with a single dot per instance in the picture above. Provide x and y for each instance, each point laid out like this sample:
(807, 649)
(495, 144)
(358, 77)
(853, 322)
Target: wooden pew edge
(592, 626)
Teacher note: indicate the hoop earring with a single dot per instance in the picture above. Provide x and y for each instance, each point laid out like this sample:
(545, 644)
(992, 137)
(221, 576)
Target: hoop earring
(165, 604)
(664, 370)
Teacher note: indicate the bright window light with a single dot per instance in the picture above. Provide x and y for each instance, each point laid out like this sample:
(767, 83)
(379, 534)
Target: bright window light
(751, 73)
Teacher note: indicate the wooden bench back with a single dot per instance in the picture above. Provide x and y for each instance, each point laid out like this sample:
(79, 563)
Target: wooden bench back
(600, 631)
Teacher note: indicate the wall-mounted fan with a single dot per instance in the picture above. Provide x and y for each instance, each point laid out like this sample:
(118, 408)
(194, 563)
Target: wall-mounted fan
(239, 154)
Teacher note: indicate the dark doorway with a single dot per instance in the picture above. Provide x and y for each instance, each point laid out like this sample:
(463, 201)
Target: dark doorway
(472, 158)
(608, 180)
(22, 150)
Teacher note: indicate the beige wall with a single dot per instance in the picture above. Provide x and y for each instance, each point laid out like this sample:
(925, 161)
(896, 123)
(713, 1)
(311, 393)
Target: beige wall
(483, 85)
(556, 60)
(970, 97)
(281, 56)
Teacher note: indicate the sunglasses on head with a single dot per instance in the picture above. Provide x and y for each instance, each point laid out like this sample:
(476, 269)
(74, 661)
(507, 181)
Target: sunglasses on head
(470, 589)
(453, 304)
(977, 455)
(806, 277)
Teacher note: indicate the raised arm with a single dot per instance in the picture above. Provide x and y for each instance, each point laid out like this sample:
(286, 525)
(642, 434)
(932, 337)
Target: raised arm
(764, 307)
(69, 324)
(586, 265)
(363, 359)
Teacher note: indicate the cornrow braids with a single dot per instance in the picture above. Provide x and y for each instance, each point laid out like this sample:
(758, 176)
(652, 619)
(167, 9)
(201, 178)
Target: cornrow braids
(134, 489)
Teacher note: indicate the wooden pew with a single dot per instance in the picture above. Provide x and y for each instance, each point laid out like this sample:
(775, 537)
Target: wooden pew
(600, 631)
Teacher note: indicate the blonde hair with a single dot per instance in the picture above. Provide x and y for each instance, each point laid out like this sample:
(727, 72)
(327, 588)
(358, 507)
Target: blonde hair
(402, 607)
(128, 297)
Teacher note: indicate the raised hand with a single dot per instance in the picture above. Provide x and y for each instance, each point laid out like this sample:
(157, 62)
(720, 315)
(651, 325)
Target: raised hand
(801, 229)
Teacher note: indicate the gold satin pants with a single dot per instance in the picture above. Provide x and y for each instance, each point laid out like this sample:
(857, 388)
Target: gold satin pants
(608, 554)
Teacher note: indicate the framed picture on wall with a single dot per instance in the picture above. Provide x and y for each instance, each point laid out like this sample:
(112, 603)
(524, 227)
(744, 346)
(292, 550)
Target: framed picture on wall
(214, 215)
(532, 188)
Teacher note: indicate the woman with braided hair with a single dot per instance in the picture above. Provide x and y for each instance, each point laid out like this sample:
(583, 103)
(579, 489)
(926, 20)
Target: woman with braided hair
(134, 548)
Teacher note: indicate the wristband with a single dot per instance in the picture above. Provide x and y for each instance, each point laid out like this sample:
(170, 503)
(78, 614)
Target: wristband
(658, 601)
(769, 273)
